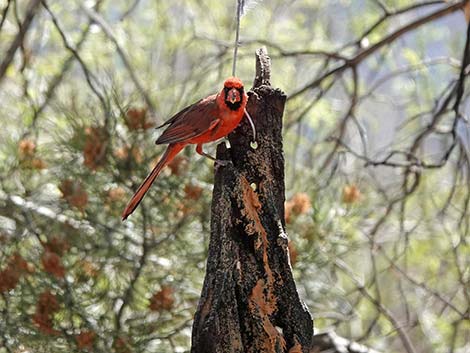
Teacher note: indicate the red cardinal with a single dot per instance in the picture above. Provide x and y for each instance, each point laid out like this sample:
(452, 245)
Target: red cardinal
(207, 120)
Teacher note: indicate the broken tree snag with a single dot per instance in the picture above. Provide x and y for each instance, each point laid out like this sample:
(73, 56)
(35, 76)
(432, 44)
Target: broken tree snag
(249, 302)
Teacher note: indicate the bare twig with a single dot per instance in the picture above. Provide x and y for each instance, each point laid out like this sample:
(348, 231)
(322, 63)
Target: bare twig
(99, 20)
(4, 14)
(57, 79)
(385, 41)
(87, 72)
(10, 53)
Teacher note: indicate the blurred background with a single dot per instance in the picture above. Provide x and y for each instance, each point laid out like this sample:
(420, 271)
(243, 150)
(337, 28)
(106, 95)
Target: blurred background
(377, 150)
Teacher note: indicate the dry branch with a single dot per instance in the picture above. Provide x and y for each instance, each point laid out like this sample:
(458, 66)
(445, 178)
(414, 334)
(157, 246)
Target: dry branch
(10, 53)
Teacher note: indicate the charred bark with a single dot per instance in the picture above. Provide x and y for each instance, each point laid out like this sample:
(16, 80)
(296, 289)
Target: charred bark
(249, 301)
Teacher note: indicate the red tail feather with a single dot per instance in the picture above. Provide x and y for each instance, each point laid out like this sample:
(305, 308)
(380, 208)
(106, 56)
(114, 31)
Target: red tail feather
(169, 154)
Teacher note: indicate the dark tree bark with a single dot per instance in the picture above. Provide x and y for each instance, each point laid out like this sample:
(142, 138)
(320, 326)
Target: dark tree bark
(249, 301)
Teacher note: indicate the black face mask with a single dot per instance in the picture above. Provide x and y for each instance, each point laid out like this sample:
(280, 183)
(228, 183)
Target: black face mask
(236, 105)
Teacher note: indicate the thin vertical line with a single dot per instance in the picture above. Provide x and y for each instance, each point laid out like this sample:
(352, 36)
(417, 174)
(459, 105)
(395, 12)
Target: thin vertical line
(237, 35)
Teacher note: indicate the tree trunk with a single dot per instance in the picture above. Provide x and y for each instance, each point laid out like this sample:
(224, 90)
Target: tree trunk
(249, 301)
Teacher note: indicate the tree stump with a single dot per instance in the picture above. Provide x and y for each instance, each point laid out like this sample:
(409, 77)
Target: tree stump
(249, 302)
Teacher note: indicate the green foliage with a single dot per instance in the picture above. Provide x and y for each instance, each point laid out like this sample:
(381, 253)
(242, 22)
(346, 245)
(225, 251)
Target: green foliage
(371, 260)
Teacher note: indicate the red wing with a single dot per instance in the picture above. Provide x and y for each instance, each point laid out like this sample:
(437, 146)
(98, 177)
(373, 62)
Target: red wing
(191, 121)
(177, 115)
